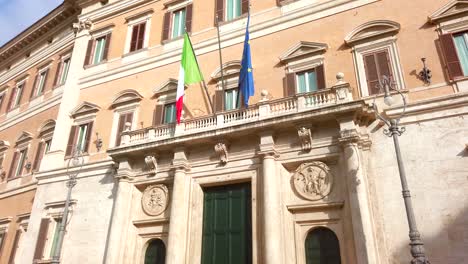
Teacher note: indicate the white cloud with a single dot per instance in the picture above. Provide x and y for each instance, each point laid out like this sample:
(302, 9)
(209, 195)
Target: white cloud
(17, 15)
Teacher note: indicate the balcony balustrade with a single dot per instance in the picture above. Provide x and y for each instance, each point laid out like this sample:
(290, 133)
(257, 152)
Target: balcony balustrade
(265, 109)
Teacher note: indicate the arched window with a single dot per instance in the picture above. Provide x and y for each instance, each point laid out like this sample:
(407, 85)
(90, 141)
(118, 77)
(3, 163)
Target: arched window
(322, 247)
(155, 252)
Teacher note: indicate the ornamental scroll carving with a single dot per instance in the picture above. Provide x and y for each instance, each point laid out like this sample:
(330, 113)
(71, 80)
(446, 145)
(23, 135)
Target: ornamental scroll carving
(155, 199)
(82, 25)
(312, 181)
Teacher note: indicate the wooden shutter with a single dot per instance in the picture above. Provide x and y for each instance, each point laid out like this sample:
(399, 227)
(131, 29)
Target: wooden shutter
(219, 100)
(166, 26)
(57, 73)
(122, 120)
(15, 247)
(188, 18)
(158, 115)
(106, 47)
(33, 89)
(289, 84)
(220, 10)
(12, 96)
(14, 163)
(87, 60)
(451, 57)
(133, 41)
(372, 73)
(245, 6)
(141, 36)
(71, 141)
(41, 239)
(383, 64)
(89, 132)
(46, 77)
(38, 158)
(320, 73)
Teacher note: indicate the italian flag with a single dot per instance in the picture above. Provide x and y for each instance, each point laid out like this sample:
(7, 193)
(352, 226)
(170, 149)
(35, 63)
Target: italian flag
(189, 74)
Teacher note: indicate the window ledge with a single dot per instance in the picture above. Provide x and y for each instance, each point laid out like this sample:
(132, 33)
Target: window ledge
(95, 65)
(135, 55)
(36, 100)
(13, 111)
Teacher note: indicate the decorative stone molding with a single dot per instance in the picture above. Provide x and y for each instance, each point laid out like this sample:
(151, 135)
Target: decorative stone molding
(229, 68)
(4, 145)
(151, 163)
(349, 136)
(126, 97)
(305, 135)
(222, 152)
(450, 10)
(84, 108)
(24, 137)
(168, 86)
(372, 29)
(155, 199)
(312, 181)
(303, 49)
(82, 25)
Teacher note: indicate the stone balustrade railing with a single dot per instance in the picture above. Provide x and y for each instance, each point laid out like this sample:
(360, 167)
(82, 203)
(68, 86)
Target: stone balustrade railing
(265, 109)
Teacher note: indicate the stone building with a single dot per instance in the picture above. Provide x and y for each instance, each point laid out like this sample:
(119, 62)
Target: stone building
(304, 174)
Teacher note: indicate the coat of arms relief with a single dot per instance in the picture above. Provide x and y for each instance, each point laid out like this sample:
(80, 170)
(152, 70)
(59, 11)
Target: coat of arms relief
(313, 181)
(155, 199)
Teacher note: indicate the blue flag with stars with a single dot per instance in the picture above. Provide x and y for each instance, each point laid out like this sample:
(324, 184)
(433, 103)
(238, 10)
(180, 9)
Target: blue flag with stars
(246, 82)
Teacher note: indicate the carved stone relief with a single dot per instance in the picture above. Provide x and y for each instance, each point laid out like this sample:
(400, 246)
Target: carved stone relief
(305, 135)
(155, 199)
(222, 152)
(312, 181)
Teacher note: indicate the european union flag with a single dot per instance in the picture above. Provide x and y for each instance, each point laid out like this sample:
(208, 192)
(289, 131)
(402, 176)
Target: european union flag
(246, 82)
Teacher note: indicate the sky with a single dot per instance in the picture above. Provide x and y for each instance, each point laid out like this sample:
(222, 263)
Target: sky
(17, 15)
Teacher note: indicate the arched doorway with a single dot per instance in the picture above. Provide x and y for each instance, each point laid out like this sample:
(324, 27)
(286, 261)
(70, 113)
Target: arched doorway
(155, 252)
(322, 247)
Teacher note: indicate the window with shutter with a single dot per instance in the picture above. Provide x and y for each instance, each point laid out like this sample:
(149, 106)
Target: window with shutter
(138, 36)
(99, 46)
(233, 9)
(17, 164)
(169, 113)
(178, 23)
(227, 226)
(461, 46)
(15, 98)
(2, 98)
(39, 83)
(231, 98)
(123, 119)
(322, 246)
(62, 71)
(2, 239)
(41, 239)
(376, 65)
(15, 246)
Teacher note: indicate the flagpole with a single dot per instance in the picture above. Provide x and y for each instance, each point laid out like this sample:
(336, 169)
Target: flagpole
(203, 81)
(220, 55)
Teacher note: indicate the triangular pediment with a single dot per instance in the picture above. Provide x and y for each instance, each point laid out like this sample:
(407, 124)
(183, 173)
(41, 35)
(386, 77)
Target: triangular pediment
(23, 137)
(84, 108)
(303, 48)
(126, 97)
(168, 86)
(372, 29)
(452, 8)
(4, 145)
(229, 68)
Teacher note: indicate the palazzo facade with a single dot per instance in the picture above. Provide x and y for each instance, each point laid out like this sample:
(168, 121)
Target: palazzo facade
(304, 174)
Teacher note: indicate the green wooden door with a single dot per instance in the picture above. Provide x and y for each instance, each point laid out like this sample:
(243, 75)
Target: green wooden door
(155, 252)
(227, 225)
(322, 247)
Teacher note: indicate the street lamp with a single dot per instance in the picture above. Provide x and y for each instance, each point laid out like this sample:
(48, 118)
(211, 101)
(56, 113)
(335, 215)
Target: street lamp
(76, 162)
(394, 130)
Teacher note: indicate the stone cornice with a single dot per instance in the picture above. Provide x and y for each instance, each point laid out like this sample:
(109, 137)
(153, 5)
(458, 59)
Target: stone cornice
(38, 30)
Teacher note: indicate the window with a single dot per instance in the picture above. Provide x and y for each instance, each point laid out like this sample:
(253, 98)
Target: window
(62, 70)
(138, 36)
(14, 248)
(376, 65)
(169, 113)
(322, 247)
(98, 49)
(310, 80)
(39, 83)
(231, 98)
(461, 44)
(123, 119)
(46, 244)
(2, 238)
(17, 164)
(455, 49)
(55, 235)
(155, 252)
(177, 22)
(42, 149)
(2, 97)
(79, 139)
(228, 10)
(15, 97)
(227, 225)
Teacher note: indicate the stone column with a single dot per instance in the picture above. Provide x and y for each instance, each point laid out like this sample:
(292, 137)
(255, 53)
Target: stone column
(177, 244)
(363, 228)
(121, 212)
(272, 207)
(70, 98)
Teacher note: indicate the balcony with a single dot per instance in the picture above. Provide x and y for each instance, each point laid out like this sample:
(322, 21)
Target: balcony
(261, 114)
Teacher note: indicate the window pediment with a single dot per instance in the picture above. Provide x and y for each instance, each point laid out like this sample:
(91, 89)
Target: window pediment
(84, 108)
(451, 9)
(301, 49)
(47, 127)
(229, 68)
(4, 145)
(24, 137)
(167, 87)
(126, 97)
(372, 29)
